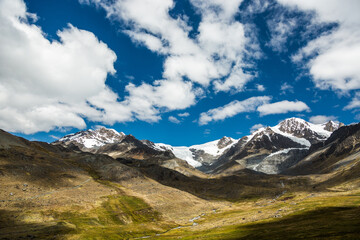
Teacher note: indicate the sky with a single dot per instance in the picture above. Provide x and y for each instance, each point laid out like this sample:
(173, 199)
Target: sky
(180, 72)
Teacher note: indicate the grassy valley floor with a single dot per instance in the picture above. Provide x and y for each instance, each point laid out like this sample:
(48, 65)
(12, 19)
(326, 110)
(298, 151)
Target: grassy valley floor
(332, 214)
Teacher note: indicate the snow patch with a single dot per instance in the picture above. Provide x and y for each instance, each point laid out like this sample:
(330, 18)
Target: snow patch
(186, 154)
(301, 141)
(284, 151)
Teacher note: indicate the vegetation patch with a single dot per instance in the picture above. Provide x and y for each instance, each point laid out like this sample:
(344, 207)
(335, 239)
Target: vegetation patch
(118, 217)
(325, 217)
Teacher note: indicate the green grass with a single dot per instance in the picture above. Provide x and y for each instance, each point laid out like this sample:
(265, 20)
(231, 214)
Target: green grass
(119, 217)
(324, 223)
(331, 216)
(334, 217)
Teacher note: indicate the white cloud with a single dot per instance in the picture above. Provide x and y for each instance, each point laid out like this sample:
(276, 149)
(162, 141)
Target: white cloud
(216, 53)
(257, 6)
(260, 87)
(174, 120)
(256, 127)
(355, 102)
(53, 84)
(150, 41)
(147, 100)
(185, 114)
(321, 119)
(66, 83)
(282, 107)
(285, 87)
(335, 57)
(281, 28)
(259, 104)
(236, 80)
(232, 109)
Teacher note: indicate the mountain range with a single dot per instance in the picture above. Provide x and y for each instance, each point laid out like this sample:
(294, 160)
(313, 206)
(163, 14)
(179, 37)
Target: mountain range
(295, 180)
(269, 150)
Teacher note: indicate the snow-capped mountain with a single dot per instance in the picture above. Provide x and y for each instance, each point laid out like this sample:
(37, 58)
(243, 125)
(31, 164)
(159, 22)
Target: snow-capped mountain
(91, 139)
(203, 154)
(268, 150)
(130, 147)
(273, 149)
(297, 131)
(115, 144)
(313, 133)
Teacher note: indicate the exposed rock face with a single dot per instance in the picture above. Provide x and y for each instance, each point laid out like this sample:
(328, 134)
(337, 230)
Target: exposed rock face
(252, 152)
(312, 132)
(224, 142)
(202, 156)
(268, 150)
(332, 126)
(274, 149)
(110, 142)
(331, 154)
(281, 160)
(134, 148)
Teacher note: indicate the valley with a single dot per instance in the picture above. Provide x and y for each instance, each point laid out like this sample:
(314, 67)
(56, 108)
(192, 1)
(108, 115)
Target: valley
(124, 188)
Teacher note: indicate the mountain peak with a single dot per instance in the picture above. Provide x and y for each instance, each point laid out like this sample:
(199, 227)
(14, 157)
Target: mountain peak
(224, 142)
(294, 126)
(92, 138)
(331, 126)
(290, 124)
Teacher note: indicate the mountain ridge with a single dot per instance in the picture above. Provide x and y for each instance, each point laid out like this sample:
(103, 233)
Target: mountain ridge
(260, 151)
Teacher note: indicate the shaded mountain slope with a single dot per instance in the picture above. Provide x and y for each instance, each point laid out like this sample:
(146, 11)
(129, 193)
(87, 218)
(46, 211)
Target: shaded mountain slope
(274, 149)
(328, 156)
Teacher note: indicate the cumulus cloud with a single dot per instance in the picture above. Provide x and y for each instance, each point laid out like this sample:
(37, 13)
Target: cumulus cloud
(146, 101)
(282, 107)
(334, 57)
(256, 127)
(216, 54)
(232, 109)
(50, 84)
(321, 119)
(66, 83)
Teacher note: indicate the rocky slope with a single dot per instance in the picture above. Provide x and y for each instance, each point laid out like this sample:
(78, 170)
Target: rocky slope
(339, 151)
(274, 149)
(112, 143)
(268, 150)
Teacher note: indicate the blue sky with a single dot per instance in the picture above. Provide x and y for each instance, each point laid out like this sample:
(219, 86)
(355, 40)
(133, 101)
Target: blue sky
(178, 72)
